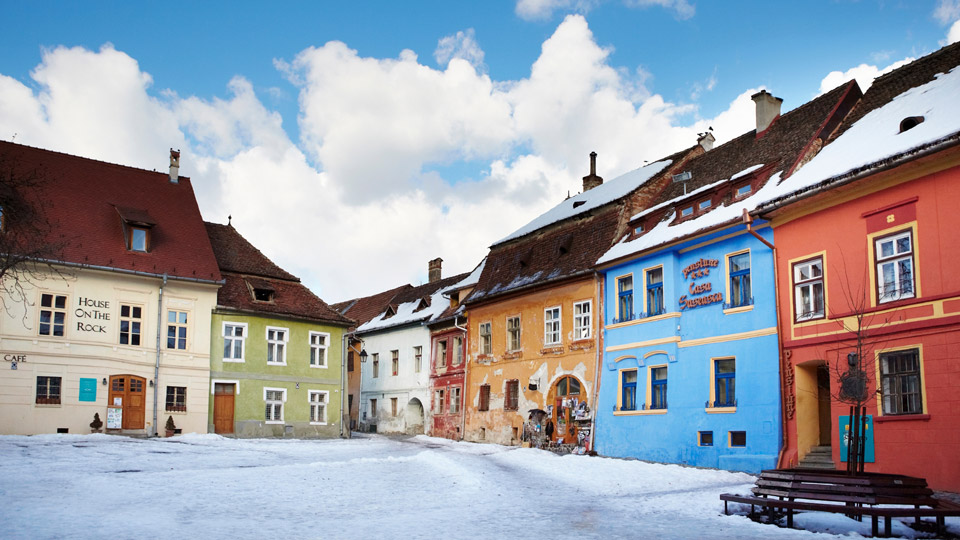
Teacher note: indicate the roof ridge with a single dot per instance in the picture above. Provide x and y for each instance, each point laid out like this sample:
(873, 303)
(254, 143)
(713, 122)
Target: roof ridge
(99, 161)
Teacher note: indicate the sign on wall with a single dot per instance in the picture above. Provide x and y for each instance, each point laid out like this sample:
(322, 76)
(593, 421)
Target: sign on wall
(88, 389)
(699, 296)
(114, 418)
(91, 315)
(844, 426)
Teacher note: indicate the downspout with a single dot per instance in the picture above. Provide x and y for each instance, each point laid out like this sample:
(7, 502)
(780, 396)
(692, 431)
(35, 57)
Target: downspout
(466, 369)
(748, 221)
(156, 365)
(599, 355)
(344, 384)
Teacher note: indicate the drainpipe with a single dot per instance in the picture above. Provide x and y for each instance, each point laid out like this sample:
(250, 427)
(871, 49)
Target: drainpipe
(156, 365)
(748, 221)
(598, 363)
(466, 369)
(344, 384)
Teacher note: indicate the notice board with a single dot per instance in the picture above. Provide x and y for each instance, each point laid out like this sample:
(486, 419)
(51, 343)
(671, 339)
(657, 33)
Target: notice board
(114, 418)
(88, 389)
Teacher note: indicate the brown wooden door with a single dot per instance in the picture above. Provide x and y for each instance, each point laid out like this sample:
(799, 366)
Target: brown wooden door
(130, 392)
(223, 394)
(566, 390)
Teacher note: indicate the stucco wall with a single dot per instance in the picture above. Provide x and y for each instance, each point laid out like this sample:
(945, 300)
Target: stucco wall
(409, 387)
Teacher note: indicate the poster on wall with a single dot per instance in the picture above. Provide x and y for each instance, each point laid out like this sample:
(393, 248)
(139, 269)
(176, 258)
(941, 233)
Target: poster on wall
(845, 434)
(114, 418)
(88, 389)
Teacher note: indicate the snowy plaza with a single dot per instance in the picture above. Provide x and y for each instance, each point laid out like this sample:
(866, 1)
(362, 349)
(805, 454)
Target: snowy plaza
(207, 486)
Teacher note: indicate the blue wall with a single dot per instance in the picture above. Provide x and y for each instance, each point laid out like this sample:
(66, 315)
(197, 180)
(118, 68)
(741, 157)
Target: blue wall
(673, 437)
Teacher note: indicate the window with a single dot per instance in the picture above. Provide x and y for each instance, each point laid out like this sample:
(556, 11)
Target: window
(457, 350)
(373, 408)
(705, 438)
(277, 345)
(440, 354)
(263, 295)
(486, 338)
(743, 191)
(438, 401)
(395, 362)
(624, 298)
(417, 358)
(318, 349)
(48, 390)
(703, 205)
(628, 390)
(176, 399)
(393, 406)
(130, 319)
(638, 229)
(513, 334)
(808, 289)
(484, 404)
(901, 382)
(655, 292)
(454, 400)
(234, 336)
(53, 314)
(658, 387)
(177, 330)
(738, 438)
(318, 406)
(582, 320)
(350, 355)
(551, 326)
(511, 397)
(138, 239)
(739, 269)
(274, 398)
(686, 211)
(725, 382)
(894, 255)
(376, 365)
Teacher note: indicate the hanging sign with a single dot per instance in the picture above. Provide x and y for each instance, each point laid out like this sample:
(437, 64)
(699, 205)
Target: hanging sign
(698, 291)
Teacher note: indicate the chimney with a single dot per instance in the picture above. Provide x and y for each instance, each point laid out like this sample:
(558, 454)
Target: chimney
(768, 109)
(706, 140)
(433, 269)
(174, 166)
(592, 180)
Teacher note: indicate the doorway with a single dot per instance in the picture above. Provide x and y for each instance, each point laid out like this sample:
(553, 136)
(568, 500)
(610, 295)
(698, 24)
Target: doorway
(565, 396)
(413, 417)
(814, 424)
(223, 401)
(127, 394)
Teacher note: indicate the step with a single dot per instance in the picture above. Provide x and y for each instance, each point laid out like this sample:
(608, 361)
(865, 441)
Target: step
(816, 465)
(822, 458)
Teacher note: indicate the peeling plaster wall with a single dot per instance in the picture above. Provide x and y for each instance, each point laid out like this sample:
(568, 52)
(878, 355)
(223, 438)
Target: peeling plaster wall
(408, 386)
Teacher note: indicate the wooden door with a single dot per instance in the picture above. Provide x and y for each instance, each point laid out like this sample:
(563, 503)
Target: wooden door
(129, 390)
(566, 391)
(223, 394)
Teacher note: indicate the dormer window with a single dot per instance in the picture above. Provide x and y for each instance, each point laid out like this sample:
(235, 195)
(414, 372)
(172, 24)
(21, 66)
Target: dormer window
(137, 225)
(704, 205)
(687, 211)
(910, 122)
(261, 290)
(743, 190)
(638, 229)
(263, 295)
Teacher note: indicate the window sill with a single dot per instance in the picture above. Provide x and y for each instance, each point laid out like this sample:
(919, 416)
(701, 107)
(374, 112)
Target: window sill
(901, 418)
(720, 410)
(640, 413)
(276, 363)
(512, 355)
(553, 348)
(739, 309)
(47, 405)
(274, 422)
(175, 412)
(318, 367)
(233, 361)
(670, 315)
(318, 423)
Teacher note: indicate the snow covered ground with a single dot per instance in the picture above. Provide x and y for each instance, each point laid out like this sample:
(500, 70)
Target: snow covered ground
(206, 486)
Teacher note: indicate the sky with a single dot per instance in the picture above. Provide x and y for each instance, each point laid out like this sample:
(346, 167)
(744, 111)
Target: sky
(352, 142)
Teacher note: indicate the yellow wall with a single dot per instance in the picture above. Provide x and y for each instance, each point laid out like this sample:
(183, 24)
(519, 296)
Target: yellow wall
(808, 407)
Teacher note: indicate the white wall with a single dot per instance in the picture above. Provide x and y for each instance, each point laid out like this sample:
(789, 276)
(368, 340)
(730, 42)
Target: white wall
(405, 386)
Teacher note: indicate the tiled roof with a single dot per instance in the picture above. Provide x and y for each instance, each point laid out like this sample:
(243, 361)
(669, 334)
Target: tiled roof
(290, 298)
(414, 305)
(363, 309)
(87, 200)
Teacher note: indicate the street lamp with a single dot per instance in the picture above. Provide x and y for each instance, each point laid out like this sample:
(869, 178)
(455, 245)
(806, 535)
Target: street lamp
(363, 355)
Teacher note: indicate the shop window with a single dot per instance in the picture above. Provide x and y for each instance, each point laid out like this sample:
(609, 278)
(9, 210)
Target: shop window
(738, 268)
(628, 390)
(655, 292)
(130, 320)
(738, 438)
(513, 333)
(53, 314)
(901, 383)
(705, 438)
(624, 299)
(486, 338)
(48, 390)
(725, 382)
(484, 401)
(176, 399)
(658, 387)
(511, 395)
(894, 257)
(551, 326)
(808, 289)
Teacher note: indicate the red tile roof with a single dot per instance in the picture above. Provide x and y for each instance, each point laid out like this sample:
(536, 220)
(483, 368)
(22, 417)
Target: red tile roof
(245, 268)
(86, 202)
(363, 309)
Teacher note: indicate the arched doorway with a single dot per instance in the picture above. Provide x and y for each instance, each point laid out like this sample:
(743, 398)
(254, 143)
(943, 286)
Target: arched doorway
(413, 417)
(566, 396)
(127, 393)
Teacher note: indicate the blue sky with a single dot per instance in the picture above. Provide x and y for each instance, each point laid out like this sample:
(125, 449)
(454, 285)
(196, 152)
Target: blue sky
(380, 148)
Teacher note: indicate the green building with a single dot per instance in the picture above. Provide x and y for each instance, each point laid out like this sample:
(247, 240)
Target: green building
(276, 359)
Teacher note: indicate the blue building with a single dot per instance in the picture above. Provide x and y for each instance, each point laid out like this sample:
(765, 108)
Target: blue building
(690, 369)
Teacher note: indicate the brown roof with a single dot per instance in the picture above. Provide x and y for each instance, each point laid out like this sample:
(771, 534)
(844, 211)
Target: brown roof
(86, 203)
(363, 309)
(246, 268)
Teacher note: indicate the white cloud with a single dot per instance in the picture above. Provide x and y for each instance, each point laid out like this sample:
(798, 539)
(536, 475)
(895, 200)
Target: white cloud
(683, 9)
(947, 11)
(354, 207)
(864, 74)
(463, 45)
(544, 9)
(953, 35)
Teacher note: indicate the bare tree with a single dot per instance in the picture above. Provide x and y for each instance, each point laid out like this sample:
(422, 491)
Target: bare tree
(31, 244)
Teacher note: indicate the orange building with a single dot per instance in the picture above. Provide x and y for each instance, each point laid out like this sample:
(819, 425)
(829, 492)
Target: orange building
(868, 242)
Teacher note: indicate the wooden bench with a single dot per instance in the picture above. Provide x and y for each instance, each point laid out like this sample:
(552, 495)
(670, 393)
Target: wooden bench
(854, 495)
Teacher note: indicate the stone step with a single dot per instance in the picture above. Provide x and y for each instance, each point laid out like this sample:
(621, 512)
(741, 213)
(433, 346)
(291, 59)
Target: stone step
(817, 458)
(821, 450)
(816, 465)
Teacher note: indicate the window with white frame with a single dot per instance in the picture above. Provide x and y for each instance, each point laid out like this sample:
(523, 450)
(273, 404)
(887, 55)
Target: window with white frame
(176, 329)
(513, 333)
(582, 320)
(376, 365)
(894, 256)
(808, 289)
(440, 353)
(455, 400)
(395, 362)
(318, 349)
(457, 350)
(551, 326)
(234, 340)
(130, 321)
(53, 314)
(318, 406)
(273, 399)
(277, 345)
(438, 404)
(486, 338)
(417, 358)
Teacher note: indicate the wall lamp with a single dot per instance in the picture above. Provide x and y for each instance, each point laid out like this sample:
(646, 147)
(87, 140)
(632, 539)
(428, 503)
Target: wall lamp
(104, 381)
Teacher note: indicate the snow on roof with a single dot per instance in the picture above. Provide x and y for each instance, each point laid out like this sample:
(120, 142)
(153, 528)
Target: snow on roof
(877, 136)
(607, 192)
(407, 313)
(470, 280)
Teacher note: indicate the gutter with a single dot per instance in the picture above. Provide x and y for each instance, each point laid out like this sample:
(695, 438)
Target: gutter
(162, 276)
(466, 372)
(599, 355)
(344, 384)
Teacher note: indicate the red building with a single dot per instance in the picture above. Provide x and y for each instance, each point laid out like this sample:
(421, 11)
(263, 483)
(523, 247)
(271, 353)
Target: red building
(867, 237)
